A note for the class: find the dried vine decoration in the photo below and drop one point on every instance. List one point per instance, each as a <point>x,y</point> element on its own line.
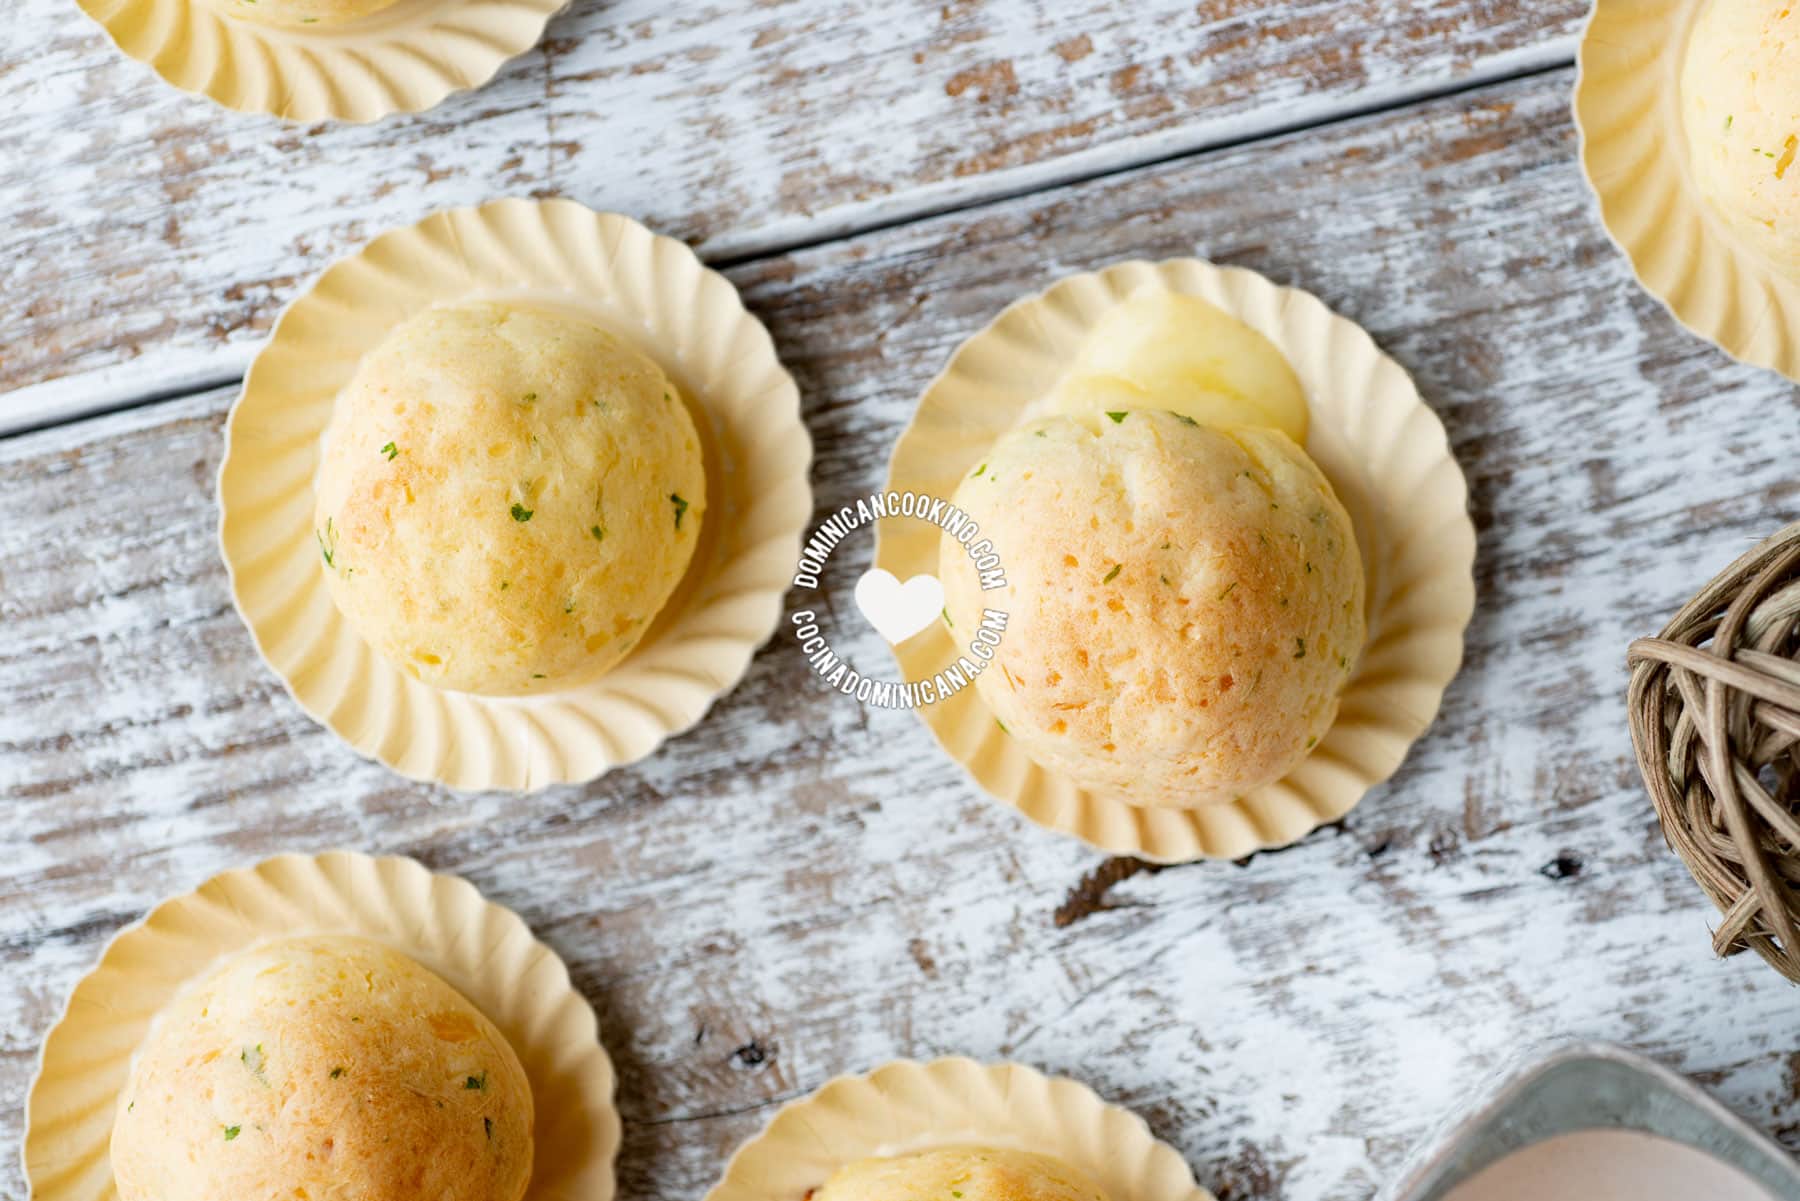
<point>1715,719</point>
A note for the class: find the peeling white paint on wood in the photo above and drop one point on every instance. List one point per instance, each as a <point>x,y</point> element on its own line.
<point>152,237</point>
<point>798,887</point>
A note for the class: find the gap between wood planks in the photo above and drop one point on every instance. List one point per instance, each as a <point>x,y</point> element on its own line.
<point>1552,58</point>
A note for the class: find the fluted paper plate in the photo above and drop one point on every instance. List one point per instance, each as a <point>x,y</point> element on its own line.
<point>1634,153</point>
<point>909,1106</point>
<point>484,951</point>
<point>650,289</point>
<point>404,59</point>
<point>1386,455</point>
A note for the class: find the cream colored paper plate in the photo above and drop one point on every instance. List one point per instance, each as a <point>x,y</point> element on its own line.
<point>482,950</point>
<point>404,59</point>
<point>907,1106</point>
<point>651,289</point>
<point>1386,455</point>
<point>1634,153</point>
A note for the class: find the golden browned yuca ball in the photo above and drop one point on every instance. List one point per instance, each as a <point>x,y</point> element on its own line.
<point>963,1173</point>
<point>507,498</point>
<point>323,1067</point>
<point>1740,104</point>
<point>300,13</point>
<point>1185,604</point>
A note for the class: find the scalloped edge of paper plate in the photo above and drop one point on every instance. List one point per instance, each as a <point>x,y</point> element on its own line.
<point>404,59</point>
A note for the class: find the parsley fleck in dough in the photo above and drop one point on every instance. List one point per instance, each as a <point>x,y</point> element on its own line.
<point>507,547</point>
<point>437,1104</point>
<point>961,1174</point>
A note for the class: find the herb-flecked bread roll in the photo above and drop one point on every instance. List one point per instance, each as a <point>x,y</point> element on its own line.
<point>300,12</point>
<point>1740,104</point>
<point>1185,604</point>
<point>326,1067</point>
<point>962,1174</point>
<point>507,498</point>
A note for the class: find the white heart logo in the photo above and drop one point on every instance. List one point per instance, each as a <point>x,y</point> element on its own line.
<point>896,610</point>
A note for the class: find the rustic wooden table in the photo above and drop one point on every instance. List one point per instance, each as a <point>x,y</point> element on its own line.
<point>799,887</point>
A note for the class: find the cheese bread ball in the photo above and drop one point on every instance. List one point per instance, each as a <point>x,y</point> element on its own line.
<point>1182,354</point>
<point>300,12</point>
<point>966,1173</point>
<point>1740,104</point>
<point>508,496</point>
<point>1184,603</point>
<point>323,1067</point>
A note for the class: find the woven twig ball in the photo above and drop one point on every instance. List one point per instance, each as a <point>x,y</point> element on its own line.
<point>1715,718</point>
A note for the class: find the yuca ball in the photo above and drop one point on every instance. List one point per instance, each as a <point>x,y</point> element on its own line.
<point>507,498</point>
<point>301,13</point>
<point>1184,604</point>
<point>323,1067</point>
<point>966,1173</point>
<point>1740,104</point>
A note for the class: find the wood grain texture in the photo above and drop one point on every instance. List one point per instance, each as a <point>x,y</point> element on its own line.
<point>799,887</point>
<point>148,230</point>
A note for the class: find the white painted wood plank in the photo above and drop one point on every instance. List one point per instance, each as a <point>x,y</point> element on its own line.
<point>148,231</point>
<point>798,888</point>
